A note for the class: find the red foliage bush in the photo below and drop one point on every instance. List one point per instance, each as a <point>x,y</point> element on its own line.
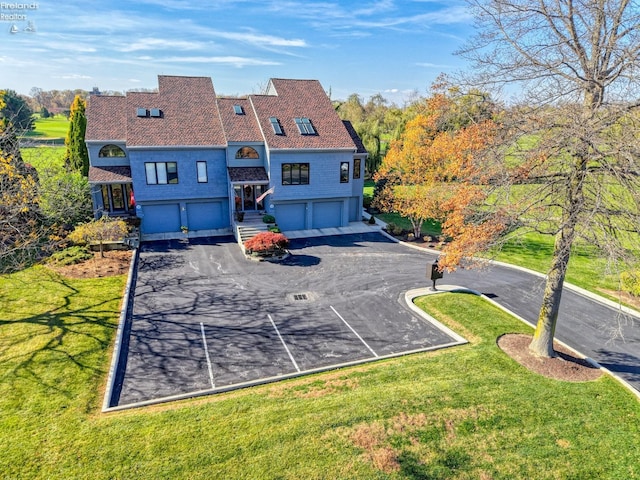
<point>266,242</point>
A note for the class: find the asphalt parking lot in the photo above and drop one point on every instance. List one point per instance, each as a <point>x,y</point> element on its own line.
<point>205,319</point>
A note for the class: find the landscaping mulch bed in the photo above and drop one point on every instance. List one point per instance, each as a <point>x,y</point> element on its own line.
<point>565,366</point>
<point>115,262</point>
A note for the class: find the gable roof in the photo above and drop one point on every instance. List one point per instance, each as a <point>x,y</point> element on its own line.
<point>298,99</point>
<point>106,118</point>
<point>189,114</point>
<point>357,141</point>
<point>239,128</point>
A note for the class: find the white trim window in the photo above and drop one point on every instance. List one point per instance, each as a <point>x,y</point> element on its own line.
<point>201,168</point>
<point>161,173</point>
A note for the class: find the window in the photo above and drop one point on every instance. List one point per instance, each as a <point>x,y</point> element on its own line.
<point>356,168</point>
<point>111,151</point>
<point>295,174</point>
<point>238,109</point>
<point>304,126</point>
<point>275,124</point>
<point>201,168</point>
<point>247,152</point>
<point>141,112</point>
<point>155,113</point>
<point>161,173</point>
<point>344,172</point>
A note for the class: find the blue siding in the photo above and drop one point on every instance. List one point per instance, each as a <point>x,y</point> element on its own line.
<point>187,186</point>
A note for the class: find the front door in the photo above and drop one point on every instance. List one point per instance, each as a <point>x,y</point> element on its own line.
<point>246,196</point>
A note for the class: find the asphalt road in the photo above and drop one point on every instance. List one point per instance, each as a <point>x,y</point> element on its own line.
<point>205,293</point>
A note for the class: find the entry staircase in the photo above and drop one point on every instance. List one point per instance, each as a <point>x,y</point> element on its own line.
<point>251,225</point>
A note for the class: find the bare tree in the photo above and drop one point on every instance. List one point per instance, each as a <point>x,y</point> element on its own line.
<point>574,138</point>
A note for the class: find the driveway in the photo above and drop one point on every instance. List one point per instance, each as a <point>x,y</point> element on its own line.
<point>205,319</point>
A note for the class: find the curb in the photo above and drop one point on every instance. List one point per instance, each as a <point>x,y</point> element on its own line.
<point>124,310</point>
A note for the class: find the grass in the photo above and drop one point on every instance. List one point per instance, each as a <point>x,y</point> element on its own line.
<point>587,268</point>
<point>43,158</point>
<point>52,127</point>
<point>467,412</point>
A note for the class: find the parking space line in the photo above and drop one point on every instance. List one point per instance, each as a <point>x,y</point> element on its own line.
<point>355,333</point>
<point>206,353</point>
<point>283,344</point>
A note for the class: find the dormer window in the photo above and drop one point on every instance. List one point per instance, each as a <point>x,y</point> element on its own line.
<point>238,109</point>
<point>275,124</point>
<point>304,126</point>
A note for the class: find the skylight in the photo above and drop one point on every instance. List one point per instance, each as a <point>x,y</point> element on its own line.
<point>238,109</point>
<point>156,112</point>
<point>141,112</point>
<point>277,129</point>
<point>304,126</point>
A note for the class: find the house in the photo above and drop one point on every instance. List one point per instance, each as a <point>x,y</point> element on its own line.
<point>184,158</point>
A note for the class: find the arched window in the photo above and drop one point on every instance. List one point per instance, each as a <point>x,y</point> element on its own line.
<point>111,151</point>
<point>247,152</point>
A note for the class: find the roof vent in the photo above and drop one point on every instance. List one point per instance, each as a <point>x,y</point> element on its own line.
<point>141,112</point>
<point>156,112</point>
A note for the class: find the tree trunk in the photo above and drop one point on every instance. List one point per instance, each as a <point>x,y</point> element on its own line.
<point>542,343</point>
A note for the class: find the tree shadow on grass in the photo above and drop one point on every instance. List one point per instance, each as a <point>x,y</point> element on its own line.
<point>60,338</point>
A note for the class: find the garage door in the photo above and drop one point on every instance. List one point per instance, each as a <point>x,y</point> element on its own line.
<point>291,216</point>
<point>327,214</point>
<point>161,218</point>
<point>207,215</point>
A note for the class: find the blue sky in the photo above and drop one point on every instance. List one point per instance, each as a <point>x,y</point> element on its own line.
<point>390,47</point>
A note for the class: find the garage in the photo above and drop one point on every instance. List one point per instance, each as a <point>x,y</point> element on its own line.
<point>291,216</point>
<point>207,215</point>
<point>327,214</point>
<point>161,218</point>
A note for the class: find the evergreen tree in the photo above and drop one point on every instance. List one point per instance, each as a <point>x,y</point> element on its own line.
<point>77,157</point>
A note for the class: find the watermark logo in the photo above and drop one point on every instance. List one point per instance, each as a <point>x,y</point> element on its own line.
<point>18,15</point>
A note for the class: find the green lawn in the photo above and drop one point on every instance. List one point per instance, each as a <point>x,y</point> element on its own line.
<point>52,127</point>
<point>467,412</point>
<point>43,158</point>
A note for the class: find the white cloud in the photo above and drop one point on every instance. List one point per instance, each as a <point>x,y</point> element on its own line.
<point>228,60</point>
<point>160,44</point>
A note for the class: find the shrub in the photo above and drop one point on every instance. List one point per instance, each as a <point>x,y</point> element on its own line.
<point>71,255</point>
<point>267,242</point>
<point>268,219</point>
<point>274,229</point>
<point>372,220</point>
<point>99,231</point>
<point>630,283</point>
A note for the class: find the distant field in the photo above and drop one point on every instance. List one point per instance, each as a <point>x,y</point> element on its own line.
<point>43,157</point>
<point>52,127</point>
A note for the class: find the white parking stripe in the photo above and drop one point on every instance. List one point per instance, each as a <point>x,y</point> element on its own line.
<point>284,344</point>
<point>206,353</point>
<point>356,333</point>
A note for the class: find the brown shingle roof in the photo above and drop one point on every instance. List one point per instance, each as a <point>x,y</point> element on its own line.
<point>189,114</point>
<point>248,174</point>
<point>110,174</point>
<point>239,128</point>
<point>300,98</point>
<point>106,118</point>
<point>357,141</point>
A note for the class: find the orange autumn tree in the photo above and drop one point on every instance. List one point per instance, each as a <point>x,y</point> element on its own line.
<point>437,170</point>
